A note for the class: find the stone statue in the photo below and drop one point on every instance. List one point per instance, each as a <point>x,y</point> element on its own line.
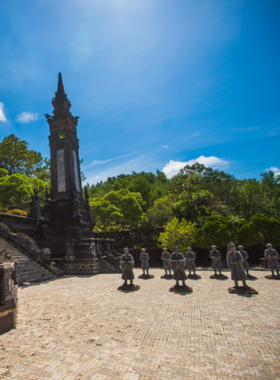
<point>272,257</point>
<point>127,264</point>
<point>165,257</point>
<point>144,257</point>
<point>216,256</point>
<point>234,261</point>
<point>190,258</point>
<point>178,263</point>
<point>245,258</point>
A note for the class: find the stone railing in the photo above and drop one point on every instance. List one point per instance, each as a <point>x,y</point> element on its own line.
<point>19,222</point>
<point>25,242</point>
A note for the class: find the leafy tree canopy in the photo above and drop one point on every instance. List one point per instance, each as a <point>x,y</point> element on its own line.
<point>178,233</point>
<point>15,157</point>
<point>261,229</point>
<point>216,230</point>
<point>118,209</point>
<point>18,188</point>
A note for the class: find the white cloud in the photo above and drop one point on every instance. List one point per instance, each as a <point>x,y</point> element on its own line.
<point>2,114</point>
<point>173,167</point>
<point>97,163</point>
<point>27,117</point>
<point>164,146</point>
<point>274,169</point>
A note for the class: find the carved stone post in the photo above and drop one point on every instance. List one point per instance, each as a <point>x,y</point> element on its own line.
<point>8,298</point>
<point>70,253</point>
<point>35,210</point>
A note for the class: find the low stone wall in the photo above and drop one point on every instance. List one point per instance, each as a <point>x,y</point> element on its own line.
<point>80,267</point>
<point>22,224</point>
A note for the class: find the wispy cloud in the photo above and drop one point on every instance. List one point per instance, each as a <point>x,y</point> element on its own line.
<point>27,117</point>
<point>274,169</point>
<point>164,146</point>
<point>274,132</point>
<point>246,129</point>
<point>2,114</point>
<point>97,163</point>
<point>173,167</point>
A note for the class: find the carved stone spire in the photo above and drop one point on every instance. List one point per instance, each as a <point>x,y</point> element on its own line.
<point>60,102</point>
<point>60,88</point>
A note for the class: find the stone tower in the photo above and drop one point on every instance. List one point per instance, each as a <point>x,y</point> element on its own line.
<point>67,214</point>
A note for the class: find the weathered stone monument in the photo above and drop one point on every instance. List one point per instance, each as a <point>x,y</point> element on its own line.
<point>165,257</point>
<point>127,265</point>
<point>234,261</point>
<point>144,258</point>
<point>178,263</point>
<point>190,261</point>
<point>68,222</point>
<point>216,264</point>
<point>272,257</point>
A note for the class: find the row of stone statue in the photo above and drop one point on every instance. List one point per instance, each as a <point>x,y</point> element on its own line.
<point>236,260</point>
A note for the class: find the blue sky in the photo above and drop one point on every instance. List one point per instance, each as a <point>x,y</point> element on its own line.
<point>156,83</point>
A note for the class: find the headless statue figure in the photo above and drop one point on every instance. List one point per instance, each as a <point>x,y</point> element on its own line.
<point>234,261</point>
<point>271,255</point>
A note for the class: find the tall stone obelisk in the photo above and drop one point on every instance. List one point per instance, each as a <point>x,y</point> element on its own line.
<point>67,214</point>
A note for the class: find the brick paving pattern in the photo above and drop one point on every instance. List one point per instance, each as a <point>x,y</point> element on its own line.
<point>78,328</point>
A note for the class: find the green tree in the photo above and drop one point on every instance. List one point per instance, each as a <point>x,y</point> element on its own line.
<point>217,230</point>
<point>17,158</point>
<point>162,211</point>
<point>192,200</point>
<point>261,229</point>
<point>127,209</point>
<point>106,215</point>
<point>178,233</point>
<point>18,188</point>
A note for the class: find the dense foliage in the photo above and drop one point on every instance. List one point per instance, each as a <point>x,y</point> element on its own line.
<point>220,206</point>
<point>15,157</point>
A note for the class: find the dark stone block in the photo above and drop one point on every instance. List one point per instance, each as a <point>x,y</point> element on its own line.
<point>194,276</point>
<point>242,290</point>
<point>129,288</point>
<point>270,277</point>
<point>167,276</point>
<point>218,277</point>
<point>181,289</point>
<point>146,276</point>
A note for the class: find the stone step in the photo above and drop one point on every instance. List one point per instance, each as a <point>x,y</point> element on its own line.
<point>34,276</point>
<point>40,279</point>
<point>28,270</point>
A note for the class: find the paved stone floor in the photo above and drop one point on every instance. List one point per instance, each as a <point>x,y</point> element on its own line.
<point>84,328</point>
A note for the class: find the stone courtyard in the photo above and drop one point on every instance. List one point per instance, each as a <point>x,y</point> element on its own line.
<point>78,328</point>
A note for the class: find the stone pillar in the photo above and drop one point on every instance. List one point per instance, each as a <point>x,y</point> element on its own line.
<point>35,210</point>
<point>8,297</point>
<point>70,250</point>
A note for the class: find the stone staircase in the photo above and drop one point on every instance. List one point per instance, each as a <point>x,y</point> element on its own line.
<point>28,270</point>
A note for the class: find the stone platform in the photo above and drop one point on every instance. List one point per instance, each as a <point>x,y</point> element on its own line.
<point>146,276</point>
<point>83,328</point>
